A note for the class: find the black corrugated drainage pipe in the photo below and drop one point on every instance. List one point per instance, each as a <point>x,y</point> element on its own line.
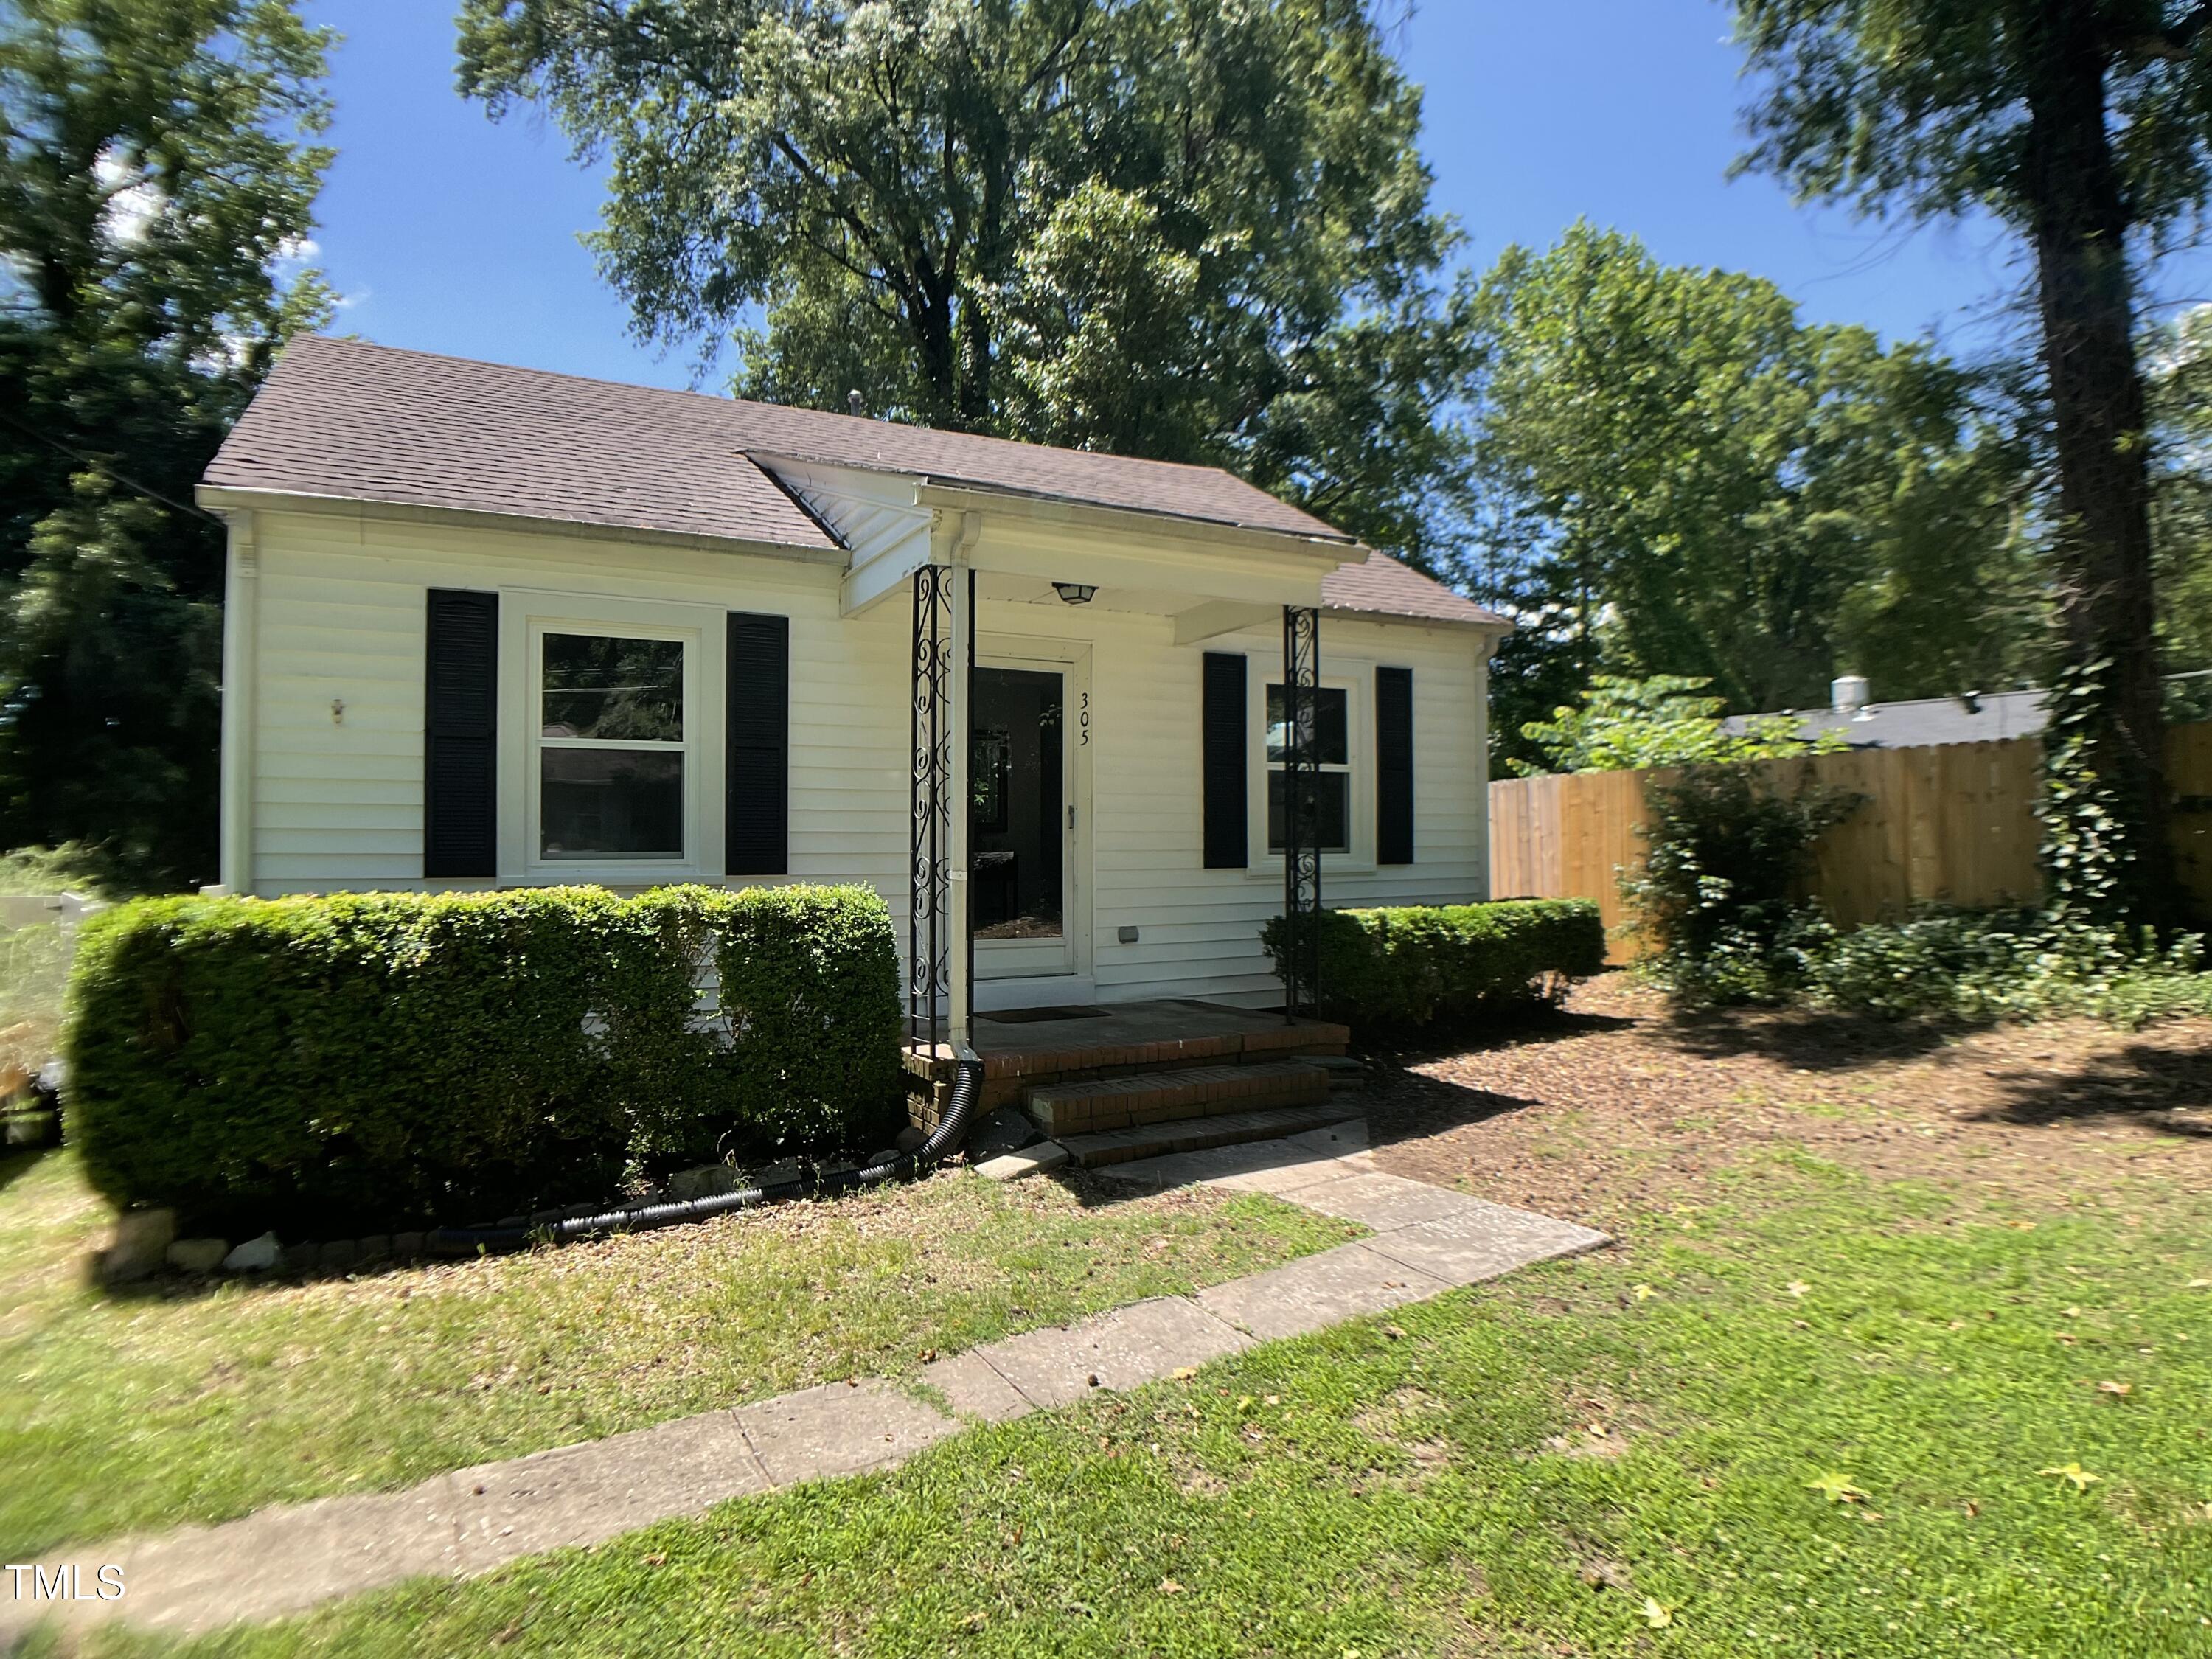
<point>952,1131</point>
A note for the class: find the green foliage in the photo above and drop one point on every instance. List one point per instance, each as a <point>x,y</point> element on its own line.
<point>1722,897</point>
<point>2086,126</point>
<point>1410,966</point>
<point>156,188</point>
<point>2181,417</point>
<point>1687,480</point>
<point>1189,229</point>
<point>309,1062</point>
<point>1620,724</point>
<point>1726,859</point>
<point>72,867</point>
<point>1990,965</point>
<point>2091,866</point>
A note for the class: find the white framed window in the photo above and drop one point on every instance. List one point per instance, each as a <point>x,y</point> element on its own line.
<point>617,776</point>
<point>1332,738</point>
<point>610,783</point>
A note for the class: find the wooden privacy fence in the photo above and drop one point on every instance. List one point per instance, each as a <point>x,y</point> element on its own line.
<point>1949,825</point>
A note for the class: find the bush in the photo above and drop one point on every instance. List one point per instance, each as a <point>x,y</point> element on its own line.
<point>1998,965</point>
<point>1720,883</point>
<point>1408,967</point>
<point>310,1062</point>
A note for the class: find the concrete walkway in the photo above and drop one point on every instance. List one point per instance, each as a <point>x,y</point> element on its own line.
<point>280,1560</point>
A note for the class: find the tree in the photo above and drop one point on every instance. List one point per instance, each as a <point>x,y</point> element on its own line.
<point>1692,482</point>
<point>2082,124</point>
<point>155,188</point>
<point>1191,229</point>
<point>2181,522</point>
<point>1619,725</point>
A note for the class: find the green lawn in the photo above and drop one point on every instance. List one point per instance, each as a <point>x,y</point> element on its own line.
<point>1436,1482</point>
<point>183,1403</point>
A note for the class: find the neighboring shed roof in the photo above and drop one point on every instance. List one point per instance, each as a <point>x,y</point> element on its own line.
<point>1925,722</point>
<point>358,421</point>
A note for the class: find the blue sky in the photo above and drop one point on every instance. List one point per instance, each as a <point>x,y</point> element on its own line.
<point>448,231</point>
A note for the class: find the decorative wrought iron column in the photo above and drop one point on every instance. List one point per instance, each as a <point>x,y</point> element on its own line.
<point>1301,966</point>
<point>930,736</point>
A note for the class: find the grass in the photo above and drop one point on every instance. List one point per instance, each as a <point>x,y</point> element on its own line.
<point>1819,1415</point>
<point>185,1402</point>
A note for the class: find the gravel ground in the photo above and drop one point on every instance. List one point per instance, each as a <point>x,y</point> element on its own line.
<point>1597,1112</point>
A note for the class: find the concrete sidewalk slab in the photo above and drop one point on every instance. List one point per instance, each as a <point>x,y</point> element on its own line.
<point>1382,1202</point>
<point>973,1388</point>
<point>1483,1241</point>
<point>840,1429</point>
<point>584,1493</point>
<point>1318,1292</point>
<point>1124,1349</point>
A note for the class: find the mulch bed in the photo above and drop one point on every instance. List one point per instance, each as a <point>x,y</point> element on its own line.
<point>1615,1105</point>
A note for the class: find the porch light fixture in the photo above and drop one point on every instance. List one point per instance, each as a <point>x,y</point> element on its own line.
<point>1075,592</point>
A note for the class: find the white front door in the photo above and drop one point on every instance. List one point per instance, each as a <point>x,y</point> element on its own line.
<point>1029,831</point>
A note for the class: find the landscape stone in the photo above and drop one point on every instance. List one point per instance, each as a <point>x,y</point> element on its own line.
<point>375,1247</point>
<point>910,1139</point>
<point>197,1255</point>
<point>338,1256</point>
<point>406,1247</point>
<point>707,1180</point>
<point>1007,1130</point>
<point>255,1254</point>
<point>1030,1160</point>
<point>140,1245</point>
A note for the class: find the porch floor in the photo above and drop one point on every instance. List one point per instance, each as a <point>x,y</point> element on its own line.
<point>1023,1048</point>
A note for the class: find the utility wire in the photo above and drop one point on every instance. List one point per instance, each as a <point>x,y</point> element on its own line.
<point>107,471</point>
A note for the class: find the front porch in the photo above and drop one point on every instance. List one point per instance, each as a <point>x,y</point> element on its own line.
<point>1083,1071</point>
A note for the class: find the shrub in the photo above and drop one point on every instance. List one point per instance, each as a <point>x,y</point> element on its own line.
<point>309,1062</point>
<point>1406,967</point>
<point>1727,860</point>
<point>1999,964</point>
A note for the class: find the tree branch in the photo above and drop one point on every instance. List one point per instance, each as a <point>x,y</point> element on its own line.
<point>2176,44</point>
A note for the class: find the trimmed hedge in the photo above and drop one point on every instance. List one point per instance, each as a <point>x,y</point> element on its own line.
<point>1397,968</point>
<point>316,1061</point>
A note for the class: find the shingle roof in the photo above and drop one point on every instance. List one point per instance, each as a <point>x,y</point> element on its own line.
<point>1383,586</point>
<point>360,422</point>
<point>373,422</point>
<point>1925,722</point>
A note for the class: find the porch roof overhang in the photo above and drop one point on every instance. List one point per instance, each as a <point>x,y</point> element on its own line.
<point>1211,577</point>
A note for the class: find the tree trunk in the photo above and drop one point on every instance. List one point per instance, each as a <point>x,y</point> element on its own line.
<point>2079,220</point>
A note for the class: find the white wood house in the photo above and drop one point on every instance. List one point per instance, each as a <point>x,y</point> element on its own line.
<point>494,627</point>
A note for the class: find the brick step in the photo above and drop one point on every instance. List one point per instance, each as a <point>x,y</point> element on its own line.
<point>1120,1103</point>
<point>1193,1134</point>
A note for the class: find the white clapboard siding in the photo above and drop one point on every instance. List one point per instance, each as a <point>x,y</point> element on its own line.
<point>339,802</point>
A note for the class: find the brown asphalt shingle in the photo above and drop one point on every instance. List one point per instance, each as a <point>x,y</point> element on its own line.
<point>360,422</point>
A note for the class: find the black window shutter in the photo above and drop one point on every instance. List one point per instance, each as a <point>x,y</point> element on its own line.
<point>1394,766</point>
<point>460,735</point>
<point>756,796</point>
<point>1222,723</point>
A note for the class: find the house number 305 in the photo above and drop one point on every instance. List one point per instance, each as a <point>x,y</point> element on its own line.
<point>1083,722</point>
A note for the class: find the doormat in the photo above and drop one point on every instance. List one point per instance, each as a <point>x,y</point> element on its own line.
<point>1038,1016</point>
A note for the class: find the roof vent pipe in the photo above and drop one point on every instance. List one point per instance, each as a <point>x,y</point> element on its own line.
<point>1848,694</point>
<point>856,403</point>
